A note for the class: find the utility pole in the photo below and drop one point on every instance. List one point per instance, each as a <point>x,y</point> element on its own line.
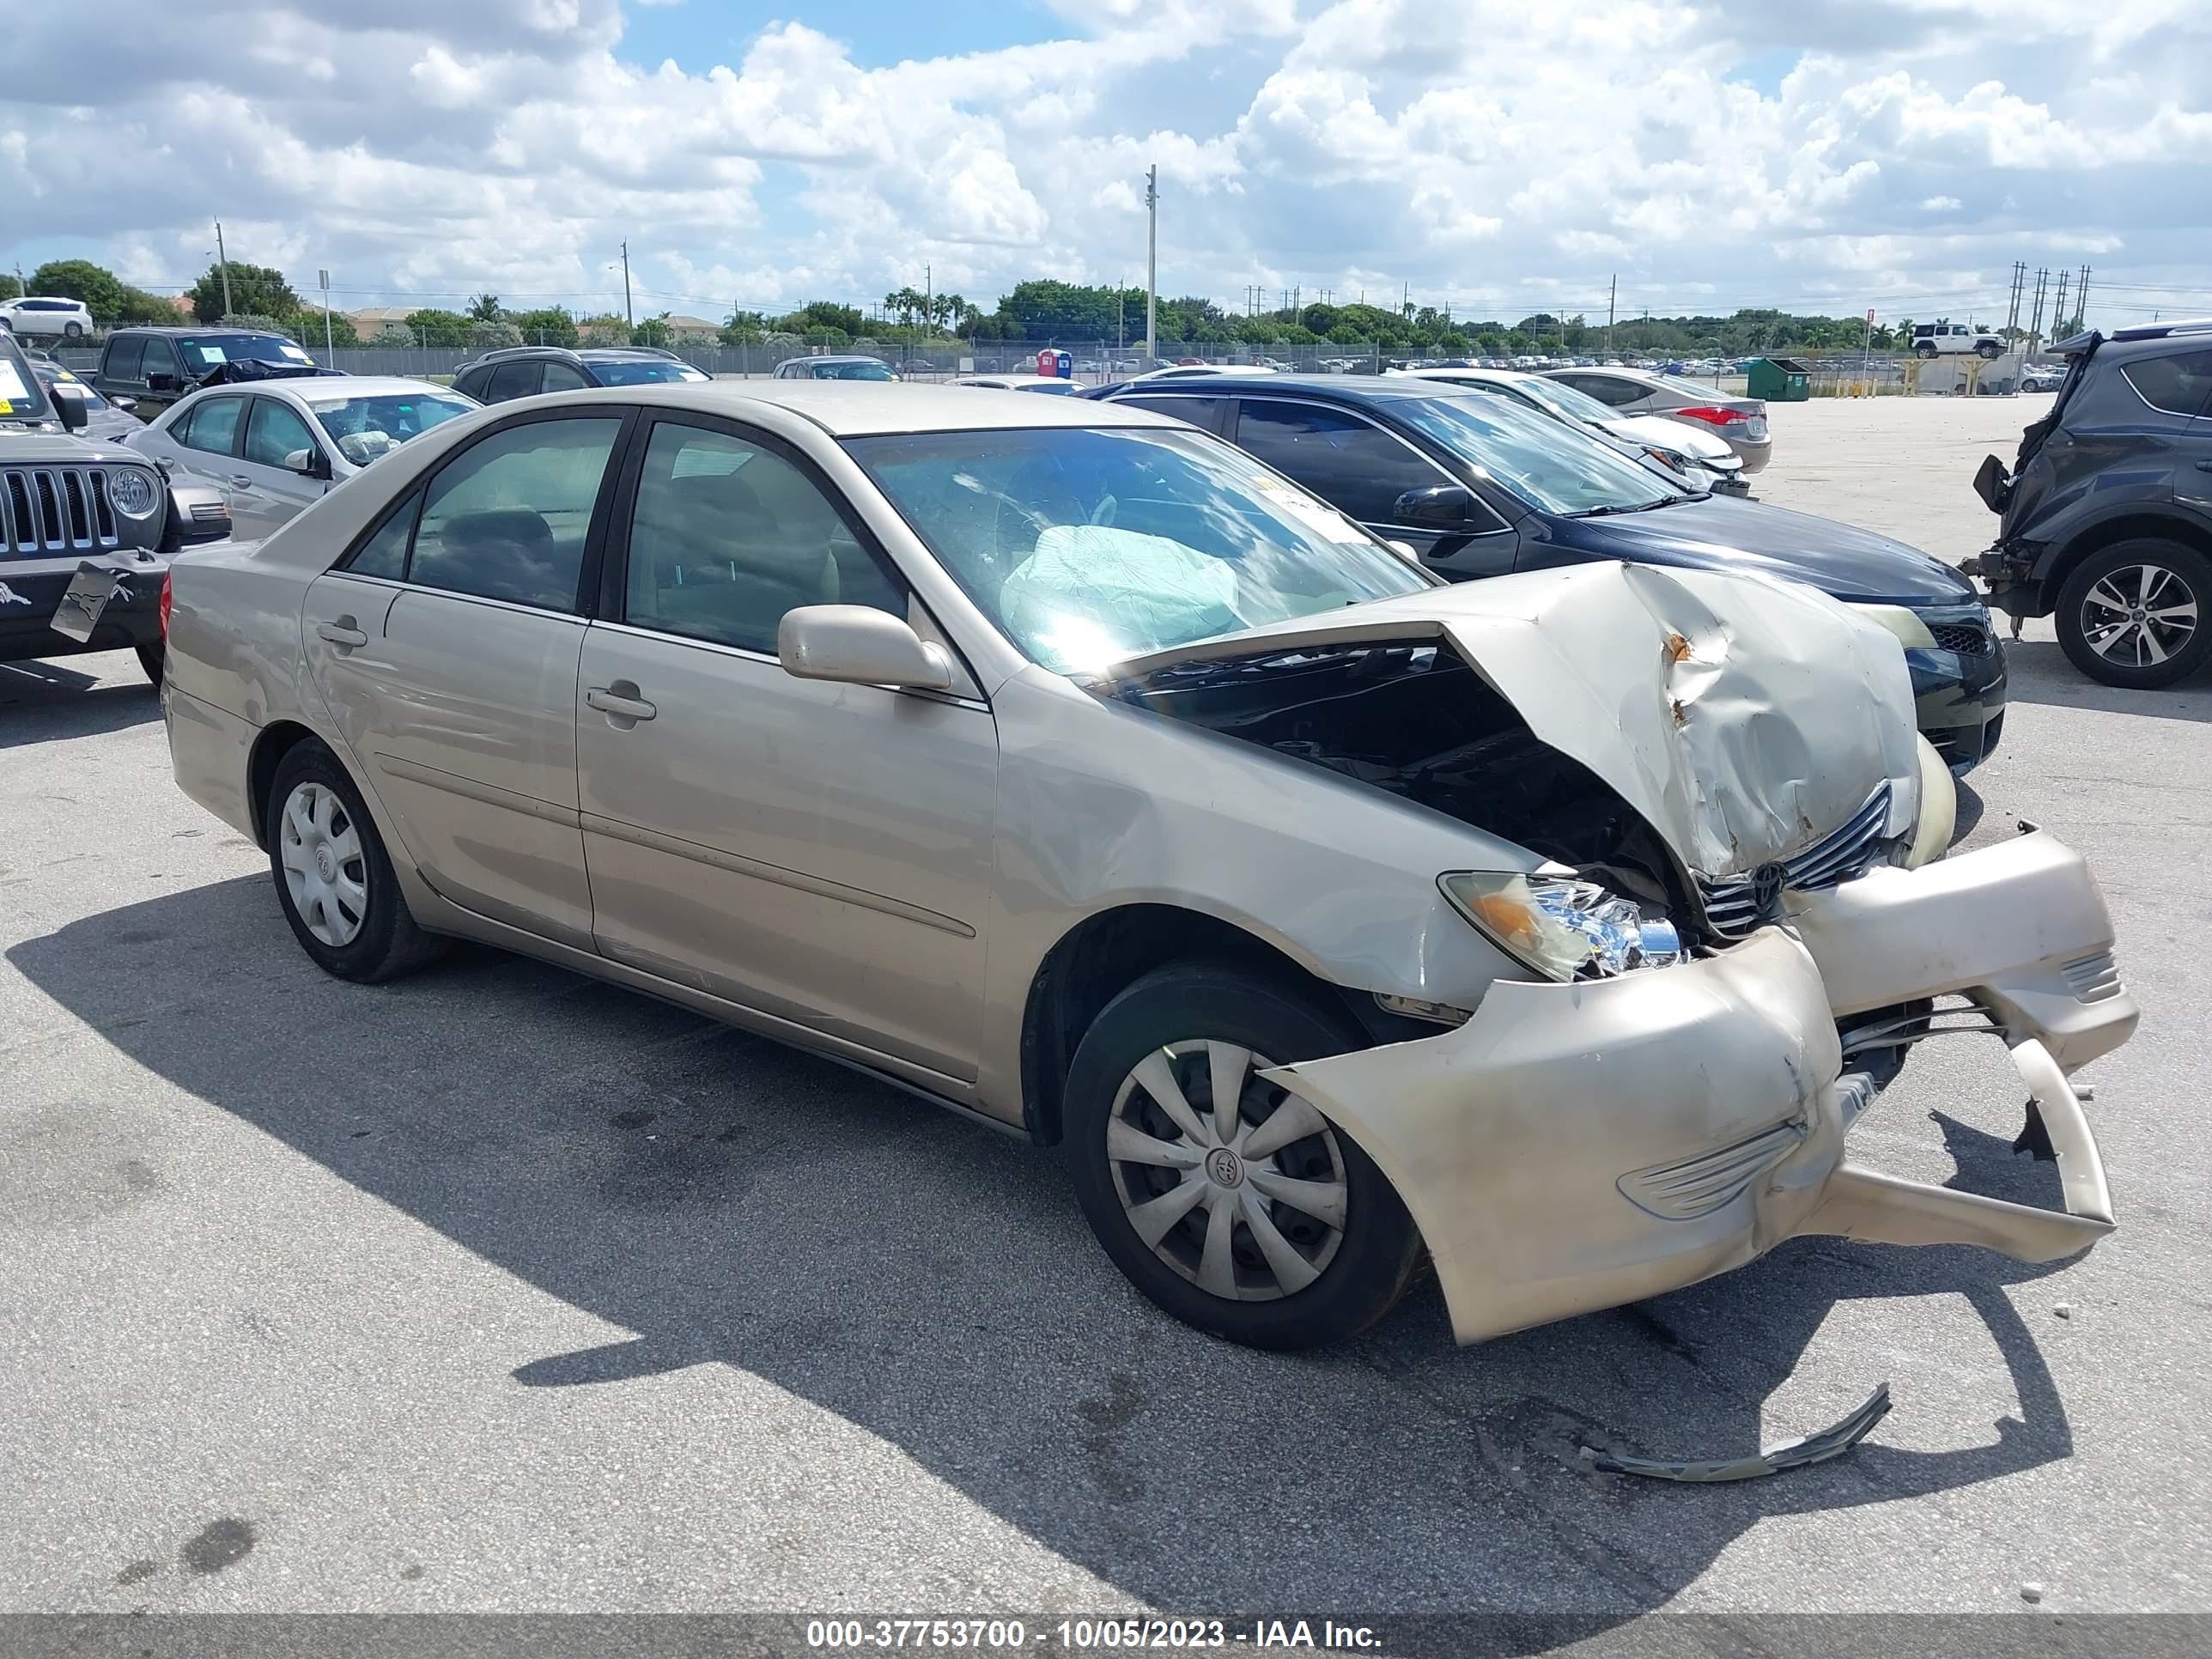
<point>928,298</point>
<point>1152,262</point>
<point>222,263</point>
<point>2081,298</point>
<point>1611,294</point>
<point>323,278</point>
<point>2035,317</point>
<point>2058,328</point>
<point>629,317</point>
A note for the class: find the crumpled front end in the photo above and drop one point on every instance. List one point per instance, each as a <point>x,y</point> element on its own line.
<point>1575,1146</point>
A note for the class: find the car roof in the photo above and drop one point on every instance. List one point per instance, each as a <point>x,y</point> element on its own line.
<point>853,409</point>
<point>835,357</point>
<point>1357,388</point>
<point>356,385</point>
<point>200,328</point>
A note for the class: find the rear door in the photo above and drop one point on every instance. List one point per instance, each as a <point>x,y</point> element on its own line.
<point>512,380</point>
<point>205,437</point>
<point>446,648</point>
<point>1361,468</point>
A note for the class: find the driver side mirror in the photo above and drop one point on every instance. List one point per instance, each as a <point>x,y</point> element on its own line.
<point>1439,507</point>
<point>857,644</point>
<point>308,464</point>
<point>68,404</point>
<point>161,380</point>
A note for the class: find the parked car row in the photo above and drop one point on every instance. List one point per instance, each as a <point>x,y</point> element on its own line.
<point>1068,762</point>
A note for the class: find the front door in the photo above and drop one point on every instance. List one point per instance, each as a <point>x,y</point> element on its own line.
<point>445,647</point>
<point>267,493</point>
<point>815,851</point>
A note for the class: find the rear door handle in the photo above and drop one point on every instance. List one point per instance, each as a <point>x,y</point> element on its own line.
<point>2204,466</point>
<point>341,633</point>
<point>608,700</point>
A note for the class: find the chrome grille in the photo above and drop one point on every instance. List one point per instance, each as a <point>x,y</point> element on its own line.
<point>1731,906</point>
<point>2093,979</point>
<point>55,509</point>
<point>1967,639</point>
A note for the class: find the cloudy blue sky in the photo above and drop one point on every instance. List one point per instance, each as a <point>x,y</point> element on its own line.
<point>1493,155</point>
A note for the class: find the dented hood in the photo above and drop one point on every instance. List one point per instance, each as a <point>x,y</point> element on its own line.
<point>1743,718</point>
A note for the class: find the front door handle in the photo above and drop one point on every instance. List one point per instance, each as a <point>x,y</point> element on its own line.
<point>2204,466</point>
<point>239,481</point>
<point>620,701</point>
<point>342,632</point>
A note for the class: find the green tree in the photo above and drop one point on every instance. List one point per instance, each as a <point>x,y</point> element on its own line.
<point>549,326</point>
<point>260,290</point>
<point>140,307</point>
<point>653,331</point>
<point>486,308</point>
<point>10,289</point>
<point>433,328</point>
<point>308,327</point>
<point>97,287</point>
<point>606,329</point>
<point>484,336</point>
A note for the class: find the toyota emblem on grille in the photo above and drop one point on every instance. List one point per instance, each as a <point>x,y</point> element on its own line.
<point>1766,891</point>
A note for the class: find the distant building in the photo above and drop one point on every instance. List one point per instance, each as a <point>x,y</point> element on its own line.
<point>693,328</point>
<point>367,322</point>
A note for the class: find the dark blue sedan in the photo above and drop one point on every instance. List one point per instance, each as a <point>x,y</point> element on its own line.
<point>1477,486</point>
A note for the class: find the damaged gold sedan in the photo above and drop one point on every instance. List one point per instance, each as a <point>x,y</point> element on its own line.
<point>1068,767</point>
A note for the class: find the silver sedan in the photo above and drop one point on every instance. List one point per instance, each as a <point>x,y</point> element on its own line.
<point>276,447</point>
<point>1070,768</point>
<point>1741,421</point>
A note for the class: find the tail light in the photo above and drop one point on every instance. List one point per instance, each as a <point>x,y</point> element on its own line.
<point>167,577</point>
<point>1713,416</point>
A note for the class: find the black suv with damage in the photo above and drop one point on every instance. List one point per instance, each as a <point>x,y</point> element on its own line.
<point>87,529</point>
<point>2105,518</point>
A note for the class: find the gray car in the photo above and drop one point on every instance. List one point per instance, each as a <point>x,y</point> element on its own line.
<point>1070,768</point>
<point>1741,421</point>
<point>275,448</point>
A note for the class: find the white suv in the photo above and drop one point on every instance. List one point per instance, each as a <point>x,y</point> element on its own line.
<point>65,319</point>
<point>1947,339</point>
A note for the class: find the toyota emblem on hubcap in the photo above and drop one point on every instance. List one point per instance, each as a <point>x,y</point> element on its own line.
<point>1224,1167</point>
<point>325,865</point>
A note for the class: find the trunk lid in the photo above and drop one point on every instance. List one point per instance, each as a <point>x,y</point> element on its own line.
<point>1743,719</point>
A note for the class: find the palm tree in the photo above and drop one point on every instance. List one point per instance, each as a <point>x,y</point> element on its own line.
<point>485,308</point>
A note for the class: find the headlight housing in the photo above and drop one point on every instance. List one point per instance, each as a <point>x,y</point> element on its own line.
<point>133,493</point>
<point>1912,633</point>
<point>1561,927</point>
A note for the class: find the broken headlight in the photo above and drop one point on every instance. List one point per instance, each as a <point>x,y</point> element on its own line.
<point>1560,926</point>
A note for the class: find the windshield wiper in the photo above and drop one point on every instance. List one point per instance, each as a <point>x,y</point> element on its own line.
<point>1608,509</point>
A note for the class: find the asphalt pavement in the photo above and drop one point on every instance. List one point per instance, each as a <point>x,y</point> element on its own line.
<point>497,1288</point>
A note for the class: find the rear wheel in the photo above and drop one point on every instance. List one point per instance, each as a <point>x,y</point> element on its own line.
<point>152,658</point>
<point>1230,1202</point>
<point>333,877</point>
<point>1988,351</point>
<point>2132,614</point>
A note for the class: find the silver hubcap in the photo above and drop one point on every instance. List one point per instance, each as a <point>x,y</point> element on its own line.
<point>2138,616</point>
<point>1237,1185</point>
<point>320,850</point>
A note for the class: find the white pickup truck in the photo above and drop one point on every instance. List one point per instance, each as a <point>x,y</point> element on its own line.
<point>1946,338</point>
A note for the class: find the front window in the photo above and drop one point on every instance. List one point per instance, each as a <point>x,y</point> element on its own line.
<point>1553,468</point>
<point>852,371</point>
<point>364,428</point>
<point>644,371</point>
<point>204,352</point>
<point>1089,545</point>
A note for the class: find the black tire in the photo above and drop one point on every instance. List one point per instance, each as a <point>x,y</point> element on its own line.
<point>387,942</point>
<point>1364,1269</point>
<point>1923,350</point>
<point>1988,351</point>
<point>73,331</point>
<point>152,657</point>
<point>2179,575</point>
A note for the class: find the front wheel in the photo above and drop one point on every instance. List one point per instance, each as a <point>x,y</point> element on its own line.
<point>1988,351</point>
<point>333,876</point>
<point>1231,1203</point>
<point>2130,615</point>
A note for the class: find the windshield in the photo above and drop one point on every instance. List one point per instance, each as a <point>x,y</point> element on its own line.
<point>852,371</point>
<point>398,415</point>
<point>1566,402</point>
<point>21,397</point>
<point>86,395</point>
<point>1089,545</point>
<point>643,372</point>
<point>203,352</point>
<point>1553,468</point>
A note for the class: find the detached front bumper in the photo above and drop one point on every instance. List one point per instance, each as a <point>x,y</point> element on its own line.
<point>31,591</point>
<point>1573,1147</point>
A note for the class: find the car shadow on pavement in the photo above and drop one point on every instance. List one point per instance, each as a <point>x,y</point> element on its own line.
<point>734,1202</point>
<point>45,702</point>
<point>2037,671</point>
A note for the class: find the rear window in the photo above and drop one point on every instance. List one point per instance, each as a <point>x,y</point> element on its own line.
<point>619,373</point>
<point>2180,386</point>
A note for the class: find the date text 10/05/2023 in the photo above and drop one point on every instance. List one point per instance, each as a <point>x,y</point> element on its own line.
<point>1085,1636</point>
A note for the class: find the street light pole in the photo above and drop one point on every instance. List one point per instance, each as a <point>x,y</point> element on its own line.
<point>629,317</point>
<point>1152,262</point>
<point>222,263</point>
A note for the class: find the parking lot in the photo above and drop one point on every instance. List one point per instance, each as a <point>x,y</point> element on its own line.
<point>497,1289</point>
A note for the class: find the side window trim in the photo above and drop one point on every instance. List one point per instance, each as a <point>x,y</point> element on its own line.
<point>1499,522</point>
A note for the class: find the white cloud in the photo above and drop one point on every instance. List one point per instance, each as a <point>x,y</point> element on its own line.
<point>1494,153</point>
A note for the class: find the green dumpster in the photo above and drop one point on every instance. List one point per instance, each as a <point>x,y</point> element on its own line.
<point>1780,379</point>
